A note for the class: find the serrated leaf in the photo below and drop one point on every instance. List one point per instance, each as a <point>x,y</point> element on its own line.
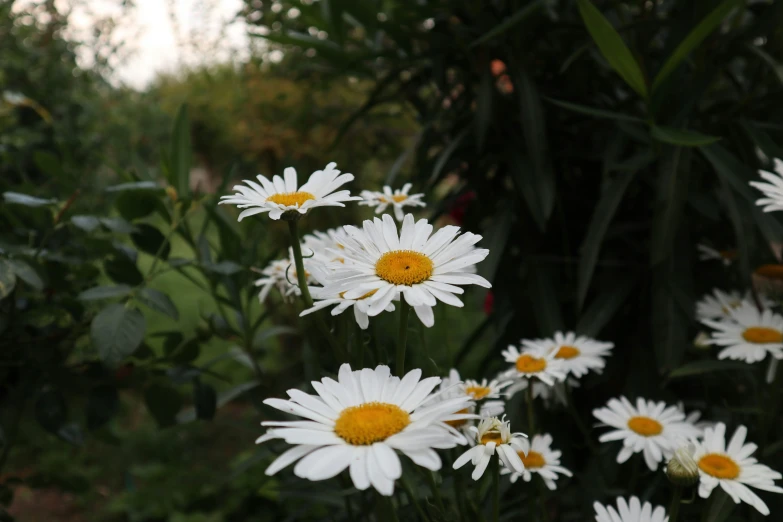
<point>681,137</point>
<point>7,278</point>
<point>86,223</point>
<point>105,292</point>
<point>150,240</point>
<point>15,198</point>
<point>708,366</point>
<point>181,153</point>
<point>116,332</point>
<point>26,273</point>
<point>158,301</point>
<point>612,47</point>
<point>163,402</point>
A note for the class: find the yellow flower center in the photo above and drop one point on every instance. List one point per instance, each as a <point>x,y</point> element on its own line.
<point>399,198</point>
<point>365,296</point>
<point>289,199</point>
<point>492,436</point>
<point>529,364</point>
<point>645,426</point>
<point>459,422</point>
<point>371,422</point>
<point>567,352</point>
<point>478,392</point>
<point>719,466</point>
<point>404,267</point>
<point>762,334</point>
<point>770,271</point>
<point>532,460</point>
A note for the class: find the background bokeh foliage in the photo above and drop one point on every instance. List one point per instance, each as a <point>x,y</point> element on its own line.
<point>593,145</point>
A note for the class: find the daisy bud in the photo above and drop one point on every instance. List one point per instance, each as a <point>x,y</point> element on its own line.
<point>702,341</point>
<point>682,470</point>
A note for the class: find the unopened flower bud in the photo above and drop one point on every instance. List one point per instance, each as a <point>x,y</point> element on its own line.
<point>702,341</point>
<point>682,470</point>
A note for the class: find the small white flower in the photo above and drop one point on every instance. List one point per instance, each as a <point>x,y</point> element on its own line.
<point>398,199</point>
<point>719,304</point>
<point>283,195</point>
<point>492,436</point>
<point>529,364</point>
<point>483,393</point>
<point>651,428</point>
<point>631,511</point>
<point>540,459</point>
<point>579,354</point>
<point>358,421</point>
<point>773,190</point>
<point>748,335</point>
<point>733,468</point>
<point>707,253</point>
<point>281,274</point>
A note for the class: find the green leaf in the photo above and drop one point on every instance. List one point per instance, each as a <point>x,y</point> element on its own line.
<point>544,300</point>
<point>605,306</point>
<point>181,153</point>
<point>15,198</point>
<point>120,269</point>
<point>591,246</point>
<point>105,292</point>
<point>671,196</point>
<point>48,163</point>
<point>150,240</point>
<point>158,301</point>
<point>51,411</point>
<point>592,111</point>
<point>696,37</point>
<point>507,24</point>
<point>681,137</point>
<point>86,223</point>
<point>116,332</point>
<point>446,154</point>
<point>7,279</point>
<point>612,47</point>
<point>223,268</point>
<point>134,186</point>
<point>163,402</point>
<point>118,225</point>
<point>103,403</point>
<point>224,397</point>
<point>708,366</point>
<point>204,400</point>
<point>495,238</point>
<point>26,273</point>
<point>135,205</point>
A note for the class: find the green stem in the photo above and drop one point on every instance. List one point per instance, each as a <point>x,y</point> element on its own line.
<point>413,499</point>
<point>496,488</point>
<point>578,420</point>
<point>435,490</point>
<point>459,490</point>
<point>531,414</point>
<point>674,506</point>
<point>402,336</point>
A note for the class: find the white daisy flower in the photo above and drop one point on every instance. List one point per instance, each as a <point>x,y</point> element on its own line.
<point>650,427</point>
<point>398,199</point>
<point>494,435</point>
<point>413,265</point>
<point>321,247</point>
<point>359,421</point>
<point>733,468</point>
<point>748,335</point>
<point>485,394</point>
<point>773,190</point>
<point>540,459</point>
<point>631,511</point>
<point>281,195</point>
<point>718,304</point>
<point>579,354</point>
<point>281,274</point>
<point>540,364</point>
<point>707,253</point>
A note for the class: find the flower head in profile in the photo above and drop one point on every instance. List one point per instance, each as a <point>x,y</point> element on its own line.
<point>748,335</point>
<point>682,469</point>
<point>542,460</point>
<point>398,199</point>
<point>772,190</point>
<point>631,510</point>
<point>708,253</point>
<point>322,247</point>
<point>485,394</point>
<point>651,428</point>
<point>579,354</point>
<point>281,274</point>
<point>492,436</point>
<point>732,468</point>
<point>360,422</point>
<point>411,264</point>
<point>539,363</point>
<point>719,304</point>
<point>283,196</point>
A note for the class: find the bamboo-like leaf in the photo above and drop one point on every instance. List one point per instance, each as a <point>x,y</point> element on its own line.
<point>508,23</point>
<point>708,366</point>
<point>670,201</point>
<point>603,308</point>
<point>592,111</point>
<point>694,38</point>
<point>612,47</point>
<point>681,137</point>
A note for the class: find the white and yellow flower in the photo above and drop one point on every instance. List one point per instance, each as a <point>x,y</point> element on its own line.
<point>281,274</point>
<point>629,511</point>
<point>398,199</point>
<point>492,436</point>
<point>282,195</point>
<point>748,335</point>
<point>772,190</point>
<point>485,394</point>
<point>719,304</point>
<point>540,459</point>
<point>322,247</point>
<point>651,428</point>
<point>360,422</point>
<point>579,354</point>
<point>538,364</point>
<point>415,265</point>
<point>732,467</point>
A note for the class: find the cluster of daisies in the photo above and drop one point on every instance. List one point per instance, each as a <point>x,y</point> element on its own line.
<point>363,420</point>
